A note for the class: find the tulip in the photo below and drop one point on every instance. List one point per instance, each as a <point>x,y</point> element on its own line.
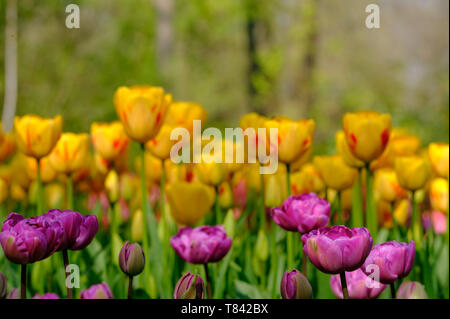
<point>189,287</point>
<point>153,167</point>
<point>337,249</point>
<point>438,154</point>
<point>142,110</point>
<point>412,172</point>
<point>36,136</point>
<point>48,295</point>
<point>402,211</point>
<point>70,152</point>
<point>411,290</point>
<point>345,152</point>
<point>294,285</point>
<point>2,286</point>
<point>136,225</point>
<point>334,172</point>
<point>301,161</point>
<point>387,186</point>
<point>13,294</point>
<point>254,121</point>
<point>109,139</point>
<point>302,213</point>
<point>7,144</point>
<point>401,143</point>
<point>294,137</point>
<point>211,170</point>
<point>225,196</point>
<point>435,219</point>
<point>99,291</point>
<point>112,186</point>
<point>439,194</point>
<point>359,285</point>
<point>189,202</point>
<point>47,172</point>
<point>367,133</point>
<point>275,187</point>
<point>201,245</point>
<point>179,114</point>
<point>393,259</point>
<point>306,180</point>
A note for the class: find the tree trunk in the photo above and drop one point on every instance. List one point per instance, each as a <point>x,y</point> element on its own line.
<point>10,101</point>
<point>164,32</point>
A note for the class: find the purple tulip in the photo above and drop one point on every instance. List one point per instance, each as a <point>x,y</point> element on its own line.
<point>359,285</point>
<point>302,213</point>
<point>411,290</point>
<point>78,230</point>
<point>25,241</point>
<point>48,295</point>
<point>294,285</point>
<point>14,294</point>
<point>337,249</point>
<point>201,245</point>
<point>393,259</point>
<point>187,289</point>
<point>99,291</point>
<point>131,259</point>
<point>2,286</point>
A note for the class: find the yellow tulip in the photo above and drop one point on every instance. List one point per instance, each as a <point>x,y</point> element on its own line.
<point>189,202</point>
<point>112,186</point>
<point>54,195</point>
<point>18,193</point>
<point>367,133</point>
<point>3,190</point>
<point>275,189</point>
<point>137,223</point>
<point>109,139</point>
<point>302,160</point>
<point>179,114</point>
<point>211,170</point>
<point>306,180</point>
<point>294,137</point>
<point>142,110</point>
<point>36,136</point>
<point>7,144</point>
<point>438,154</point>
<point>224,195</point>
<point>401,143</point>
<point>249,172</point>
<point>412,172</point>
<point>402,211</point>
<point>387,186</point>
<point>345,152</point>
<point>48,173</point>
<point>153,167</point>
<point>439,194</point>
<point>70,153</point>
<point>18,168</point>
<point>335,172</point>
<point>179,172</point>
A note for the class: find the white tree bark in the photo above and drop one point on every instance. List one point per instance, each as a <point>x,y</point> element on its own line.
<point>10,100</point>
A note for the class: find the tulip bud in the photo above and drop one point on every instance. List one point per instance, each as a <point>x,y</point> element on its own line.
<point>229,223</point>
<point>131,259</point>
<point>189,287</point>
<point>262,246</point>
<point>2,286</point>
<point>411,290</point>
<point>112,186</point>
<point>225,196</point>
<point>294,285</point>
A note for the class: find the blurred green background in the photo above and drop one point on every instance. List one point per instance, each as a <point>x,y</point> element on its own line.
<point>299,58</point>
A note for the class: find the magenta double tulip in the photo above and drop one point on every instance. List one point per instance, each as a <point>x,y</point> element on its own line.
<point>78,230</point>
<point>201,245</point>
<point>27,240</point>
<point>186,288</point>
<point>99,291</point>
<point>393,259</point>
<point>337,249</point>
<point>294,285</point>
<point>302,213</point>
<point>359,286</point>
<point>48,295</point>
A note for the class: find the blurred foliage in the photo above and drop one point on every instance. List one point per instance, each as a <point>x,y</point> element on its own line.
<point>312,59</point>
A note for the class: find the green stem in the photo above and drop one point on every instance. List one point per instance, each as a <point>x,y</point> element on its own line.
<point>288,179</point>
<point>218,211</point>
<point>66,263</point>
<point>290,249</point>
<point>344,285</point>
<point>340,213</point>
<point>371,214</point>
<point>69,192</point>
<point>416,223</point>
<point>39,199</point>
<point>130,287</point>
<point>23,281</point>
<point>208,282</point>
<point>145,212</point>
<point>393,293</point>
<point>262,211</point>
<point>357,218</point>
<point>162,192</point>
